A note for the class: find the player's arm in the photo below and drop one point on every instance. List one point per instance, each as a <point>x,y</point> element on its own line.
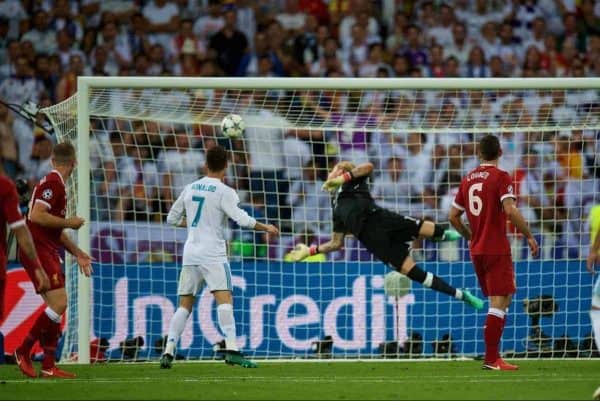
<point>83,259</point>
<point>40,215</point>
<point>229,204</point>
<point>176,216</point>
<point>457,222</point>
<point>302,251</point>
<point>340,177</point>
<point>515,216</point>
<point>593,257</point>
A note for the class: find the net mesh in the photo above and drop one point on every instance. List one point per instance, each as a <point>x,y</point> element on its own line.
<point>146,144</point>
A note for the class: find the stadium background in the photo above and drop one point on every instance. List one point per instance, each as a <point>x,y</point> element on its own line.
<point>45,45</point>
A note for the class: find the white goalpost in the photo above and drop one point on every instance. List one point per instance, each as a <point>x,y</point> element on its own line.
<point>139,139</point>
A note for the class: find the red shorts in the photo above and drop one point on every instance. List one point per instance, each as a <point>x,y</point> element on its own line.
<point>495,273</point>
<point>52,265</point>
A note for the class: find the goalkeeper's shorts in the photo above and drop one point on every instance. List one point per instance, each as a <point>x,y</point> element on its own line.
<point>387,235</point>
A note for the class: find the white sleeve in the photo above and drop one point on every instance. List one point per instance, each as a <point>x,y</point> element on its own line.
<point>229,203</point>
<point>177,210</point>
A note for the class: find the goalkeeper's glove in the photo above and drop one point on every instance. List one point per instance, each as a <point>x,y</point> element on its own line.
<point>333,183</point>
<point>301,251</point>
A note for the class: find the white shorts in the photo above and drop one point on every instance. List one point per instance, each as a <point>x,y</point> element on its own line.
<point>217,277</point>
<point>596,294</point>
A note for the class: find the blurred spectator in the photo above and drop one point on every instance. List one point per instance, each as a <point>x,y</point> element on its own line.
<point>229,44</point>
<point>309,203</point>
<point>207,25</point>
<point>179,164</point>
<point>392,189</point>
<point>67,85</point>
<point>12,12</point>
<point>8,144</point>
<point>162,17</point>
<point>64,20</point>
<point>40,162</point>
<point>22,86</point>
<point>41,35</point>
<point>249,64</point>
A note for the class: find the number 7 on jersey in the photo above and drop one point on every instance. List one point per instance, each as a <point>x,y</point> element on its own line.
<point>200,200</point>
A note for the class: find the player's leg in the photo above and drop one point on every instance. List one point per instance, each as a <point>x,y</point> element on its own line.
<point>595,313</point>
<point>190,282</point>
<point>410,269</point>
<point>46,328</point>
<point>56,299</point>
<point>437,232</point>
<point>496,278</point>
<point>2,291</point>
<point>218,279</point>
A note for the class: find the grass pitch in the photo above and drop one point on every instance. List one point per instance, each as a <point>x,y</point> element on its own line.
<point>459,380</point>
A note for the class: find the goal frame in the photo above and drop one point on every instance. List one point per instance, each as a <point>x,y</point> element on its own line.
<point>86,83</point>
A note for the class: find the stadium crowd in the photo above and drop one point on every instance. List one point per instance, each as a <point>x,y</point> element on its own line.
<point>46,44</point>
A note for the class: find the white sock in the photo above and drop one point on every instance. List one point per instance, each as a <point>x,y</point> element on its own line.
<point>55,317</point>
<point>175,329</point>
<point>227,325</point>
<point>595,316</point>
<point>458,294</point>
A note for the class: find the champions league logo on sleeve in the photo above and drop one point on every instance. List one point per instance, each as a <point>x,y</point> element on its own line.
<point>47,194</point>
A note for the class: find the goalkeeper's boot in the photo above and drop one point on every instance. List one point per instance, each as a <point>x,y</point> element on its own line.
<point>55,372</point>
<point>166,361</point>
<point>24,363</point>
<point>472,300</point>
<point>448,235</point>
<point>500,364</point>
<point>236,358</point>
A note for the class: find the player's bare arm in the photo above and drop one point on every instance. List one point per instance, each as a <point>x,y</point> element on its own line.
<point>302,251</point>
<point>25,241</point>
<point>269,228</point>
<point>515,216</point>
<point>457,223</point>
<point>593,257</point>
<point>83,259</point>
<point>40,215</point>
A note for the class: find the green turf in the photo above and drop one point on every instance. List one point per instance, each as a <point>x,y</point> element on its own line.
<point>542,380</point>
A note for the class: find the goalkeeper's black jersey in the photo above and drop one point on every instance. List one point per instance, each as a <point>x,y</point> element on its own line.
<point>352,204</point>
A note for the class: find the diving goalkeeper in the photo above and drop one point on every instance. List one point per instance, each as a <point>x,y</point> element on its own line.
<point>384,233</point>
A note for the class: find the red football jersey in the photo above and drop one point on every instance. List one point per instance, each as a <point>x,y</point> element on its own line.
<point>51,192</point>
<point>9,214</point>
<point>480,196</point>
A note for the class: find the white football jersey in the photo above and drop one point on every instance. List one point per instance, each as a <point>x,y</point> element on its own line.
<point>206,204</point>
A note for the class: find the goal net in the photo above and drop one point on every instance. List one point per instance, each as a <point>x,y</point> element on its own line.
<point>141,140</point>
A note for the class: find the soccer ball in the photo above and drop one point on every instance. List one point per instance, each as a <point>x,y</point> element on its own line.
<point>233,125</point>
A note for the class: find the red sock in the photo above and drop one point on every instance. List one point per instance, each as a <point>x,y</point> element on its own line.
<point>492,332</point>
<point>49,341</point>
<point>2,290</point>
<point>41,324</point>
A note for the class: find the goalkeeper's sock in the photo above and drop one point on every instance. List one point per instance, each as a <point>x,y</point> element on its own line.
<point>175,329</point>
<point>227,325</point>
<point>492,332</point>
<point>432,281</point>
<point>595,317</point>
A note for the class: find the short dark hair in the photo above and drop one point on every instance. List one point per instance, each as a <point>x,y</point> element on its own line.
<point>489,148</point>
<point>63,153</point>
<point>216,159</point>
